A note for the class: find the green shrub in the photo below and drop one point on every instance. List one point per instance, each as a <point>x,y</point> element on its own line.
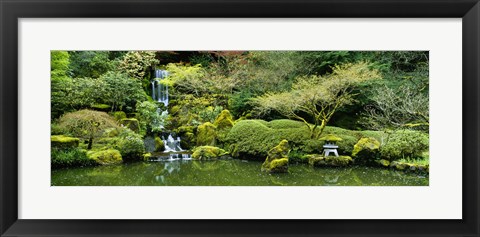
<point>285,124</point>
<point>65,158</point>
<point>405,144</point>
<point>130,145</point>
<point>101,107</point>
<point>119,115</point>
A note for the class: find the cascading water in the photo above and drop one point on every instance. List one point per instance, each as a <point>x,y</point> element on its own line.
<point>160,94</point>
<point>159,90</point>
<point>172,145</point>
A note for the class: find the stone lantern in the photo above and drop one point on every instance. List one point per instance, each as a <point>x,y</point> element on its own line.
<point>330,145</point>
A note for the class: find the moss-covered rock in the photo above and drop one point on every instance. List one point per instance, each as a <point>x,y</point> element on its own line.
<point>206,135</point>
<point>224,120</point>
<point>318,160</point>
<point>131,123</point>
<point>366,150</point>
<point>63,142</point>
<point>105,157</point>
<point>119,115</point>
<point>159,144</point>
<point>207,153</point>
<point>277,159</point>
<point>382,162</point>
<point>147,156</point>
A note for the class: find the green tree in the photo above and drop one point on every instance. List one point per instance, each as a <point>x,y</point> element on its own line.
<point>90,63</point>
<point>86,124</point>
<point>150,116</point>
<point>121,90</point>
<point>317,98</point>
<point>137,63</point>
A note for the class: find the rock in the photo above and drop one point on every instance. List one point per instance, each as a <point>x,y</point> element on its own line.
<point>277,159</point>
<point>63,142</point>
<point>318,160</point>
<point>131,123</point>
<point>159,144</point>
<point>366,150</point>
<point>382,162</point>
<point>206,134</point>
<point>207,153</point>
<point>338,160</point>
<point>147,156</point>
<point>105,157</point>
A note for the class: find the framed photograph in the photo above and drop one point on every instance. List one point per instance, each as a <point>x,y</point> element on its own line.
<point>231,118</point>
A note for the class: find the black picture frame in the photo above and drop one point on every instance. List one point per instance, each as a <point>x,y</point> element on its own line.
<point>12,10</point>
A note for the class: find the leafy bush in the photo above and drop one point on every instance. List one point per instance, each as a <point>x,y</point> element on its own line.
<point>405,144</point>
<point>130,145</point>
<point>64,158</point>
<point>150,116</point>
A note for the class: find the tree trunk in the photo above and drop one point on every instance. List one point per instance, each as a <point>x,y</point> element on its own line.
<point>90,142</point>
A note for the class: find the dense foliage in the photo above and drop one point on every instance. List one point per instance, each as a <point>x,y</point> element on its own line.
<point>244,102</point>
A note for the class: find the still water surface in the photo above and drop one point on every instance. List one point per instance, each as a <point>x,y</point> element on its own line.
<point>230,172</point>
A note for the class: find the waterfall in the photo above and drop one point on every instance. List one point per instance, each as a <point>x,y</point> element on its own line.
<point>171,144</point>
<point>160,91</point>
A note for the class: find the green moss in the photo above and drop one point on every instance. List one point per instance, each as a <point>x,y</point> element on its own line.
<point>105,157</point>
<point>334,161</point>
<point>277,159</point>
<point>147,156</point>
<point>101,107</point>
<point>131,123</point>
<point>159,145</point>
<point>331,138</point>
<point>224,120</point>
<point>119,115</point>
<point>366,150</point>
<point>207,153</point>
<point>206,134</point>
<point>382,162</point>
<point>63,142</point>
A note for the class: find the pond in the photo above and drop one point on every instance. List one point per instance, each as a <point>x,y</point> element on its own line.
<point>229,172</point>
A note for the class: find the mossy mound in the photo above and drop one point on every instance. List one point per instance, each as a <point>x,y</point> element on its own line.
<point>366,150</point>
<point>105,157</point>
<point>63,142</point>
<point>159,144</point>
<point>224,120</point>
<point>335,161</point>
<point>131,123</point>
<point>277,159</point>
<point>252,139</point>
<point>331,138</point>
<point>207,153</point>
<point>206,135</point>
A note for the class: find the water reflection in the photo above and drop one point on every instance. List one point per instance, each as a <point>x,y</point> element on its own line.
<point>230,172</point>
